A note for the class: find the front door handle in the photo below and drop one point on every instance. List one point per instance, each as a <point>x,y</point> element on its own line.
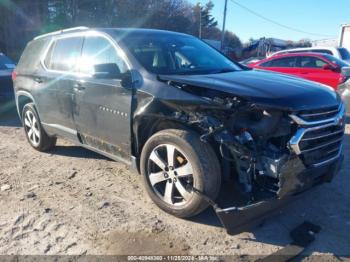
<point>78,87</point>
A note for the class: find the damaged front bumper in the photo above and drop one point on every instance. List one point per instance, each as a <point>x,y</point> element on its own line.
<point>238,219</point>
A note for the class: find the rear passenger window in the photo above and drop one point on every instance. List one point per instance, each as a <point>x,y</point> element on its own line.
<point>65,54</point>
<point>283,62</point>
<point>96,51</point>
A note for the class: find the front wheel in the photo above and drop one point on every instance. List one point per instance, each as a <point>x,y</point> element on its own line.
<point>172,163</point>
<point>34,132</point>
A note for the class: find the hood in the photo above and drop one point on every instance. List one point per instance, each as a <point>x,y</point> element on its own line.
<point>265,88</point>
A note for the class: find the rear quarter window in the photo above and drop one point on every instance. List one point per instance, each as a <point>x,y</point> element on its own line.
<point>31,55</point>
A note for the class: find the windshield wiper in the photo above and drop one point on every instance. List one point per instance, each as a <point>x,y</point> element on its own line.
<point>222,70</point>
<point>190,72</point>
<point>205,72</point>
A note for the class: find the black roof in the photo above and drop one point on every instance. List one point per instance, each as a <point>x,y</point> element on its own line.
<point>122,32</point>
<point>117,33</point>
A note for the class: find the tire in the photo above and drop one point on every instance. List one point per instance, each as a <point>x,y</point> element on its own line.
<point>35,134</point>
<point>194,164</point>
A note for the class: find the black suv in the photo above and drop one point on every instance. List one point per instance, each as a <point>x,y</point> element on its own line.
<point>183,114</point>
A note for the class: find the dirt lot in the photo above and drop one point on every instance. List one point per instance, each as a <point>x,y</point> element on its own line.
<point>72,201</point>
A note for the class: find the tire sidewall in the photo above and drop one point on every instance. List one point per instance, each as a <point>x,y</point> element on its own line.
<point>198,171</point>
<point>31,107</point>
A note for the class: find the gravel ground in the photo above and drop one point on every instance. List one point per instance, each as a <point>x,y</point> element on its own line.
<point>73,201</point>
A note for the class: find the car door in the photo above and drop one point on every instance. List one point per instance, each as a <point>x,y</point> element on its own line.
<point>283,65</point>
<point>102,106</point>
<point>313,68</point>
<point>54,89</point>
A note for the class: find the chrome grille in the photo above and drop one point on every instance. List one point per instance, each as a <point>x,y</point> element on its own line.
<point>320,114</point>
<point>318,140</point>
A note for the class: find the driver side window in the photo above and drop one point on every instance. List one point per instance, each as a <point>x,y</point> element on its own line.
<point>99,51</point>
<point>311,62</point>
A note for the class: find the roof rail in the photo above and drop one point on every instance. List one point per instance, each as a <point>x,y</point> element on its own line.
<point>62,31</point>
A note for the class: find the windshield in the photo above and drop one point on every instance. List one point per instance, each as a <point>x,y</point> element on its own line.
<point>177,54</point>
<point>6,63</point>
<point>336,61</point>
<point>344,53</point>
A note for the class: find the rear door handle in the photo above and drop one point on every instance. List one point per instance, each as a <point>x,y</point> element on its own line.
<point>38,80</point>
<point>78,87</point>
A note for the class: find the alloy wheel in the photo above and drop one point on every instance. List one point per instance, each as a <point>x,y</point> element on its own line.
<point>32,129</point>
<point>170,174</point>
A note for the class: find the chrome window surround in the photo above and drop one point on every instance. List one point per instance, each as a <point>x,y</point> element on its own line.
<point>62,31</point>
<point>335,119</point>
<point>84,34</point>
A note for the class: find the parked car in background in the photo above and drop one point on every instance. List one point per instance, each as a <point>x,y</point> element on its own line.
<point>344,91</point>
<point>338,52</point>
<point>251,60</point>
<point>6,68</point>
<point>344,38</point>
<point>322,68</point>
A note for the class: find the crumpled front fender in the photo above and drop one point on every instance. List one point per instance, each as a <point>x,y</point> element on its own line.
<point>237,219</point>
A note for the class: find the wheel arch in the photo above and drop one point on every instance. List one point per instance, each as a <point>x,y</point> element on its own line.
<point>146,126</point>
<point>23,98</point>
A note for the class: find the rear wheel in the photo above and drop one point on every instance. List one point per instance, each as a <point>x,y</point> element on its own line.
<point>34,132</point>
<point>172,163</point>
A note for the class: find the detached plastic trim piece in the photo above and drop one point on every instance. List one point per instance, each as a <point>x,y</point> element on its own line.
<point>240,219</point>
<point>302,236</point>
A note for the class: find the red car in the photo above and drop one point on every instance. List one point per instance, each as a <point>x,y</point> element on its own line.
<point>322,68</point>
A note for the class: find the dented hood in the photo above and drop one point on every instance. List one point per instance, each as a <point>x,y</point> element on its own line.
<point>266,88</point>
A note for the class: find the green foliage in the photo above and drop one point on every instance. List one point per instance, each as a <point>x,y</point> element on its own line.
<point>27,19</point>
<point>232,40</point>
<point>203,22</point>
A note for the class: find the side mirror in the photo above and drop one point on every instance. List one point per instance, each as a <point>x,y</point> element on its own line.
<point>345,71</point>
<point>126,79</point>
<point>334,68</point>
<point>107,71</point>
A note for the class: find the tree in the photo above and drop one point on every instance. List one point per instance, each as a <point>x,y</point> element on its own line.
<point>203,22</point>
<point>208,21</point>
<point>231,40</point>
<point>27,19</point>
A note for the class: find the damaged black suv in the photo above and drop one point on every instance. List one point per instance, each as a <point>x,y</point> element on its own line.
<point>187,117</point>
